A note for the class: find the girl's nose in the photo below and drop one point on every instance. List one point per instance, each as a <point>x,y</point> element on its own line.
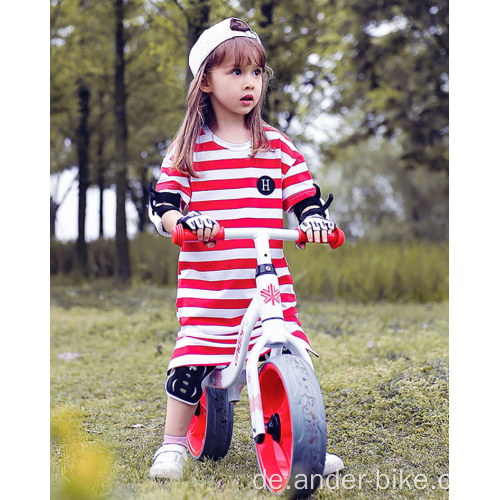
<point>249,84</point>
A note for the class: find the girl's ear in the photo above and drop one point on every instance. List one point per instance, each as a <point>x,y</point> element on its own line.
<point>205,84</point>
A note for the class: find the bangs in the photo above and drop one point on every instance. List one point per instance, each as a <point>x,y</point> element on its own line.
<point>238,51</point>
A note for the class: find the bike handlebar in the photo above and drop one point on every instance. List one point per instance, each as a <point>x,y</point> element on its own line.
<point>181,235</point>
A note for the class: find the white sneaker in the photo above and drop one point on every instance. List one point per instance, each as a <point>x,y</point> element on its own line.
<point>169,461</point>
<point>332,464</point>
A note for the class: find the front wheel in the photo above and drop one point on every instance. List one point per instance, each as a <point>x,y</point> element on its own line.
<point>292,456</point>
<point>211,428</point>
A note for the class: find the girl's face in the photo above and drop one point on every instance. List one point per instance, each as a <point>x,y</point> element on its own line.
<point>234,90</point>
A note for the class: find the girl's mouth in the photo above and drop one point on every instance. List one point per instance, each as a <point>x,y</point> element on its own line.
<point>247,100</point>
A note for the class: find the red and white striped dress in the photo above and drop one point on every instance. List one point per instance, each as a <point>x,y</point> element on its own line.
<point>217,284</point>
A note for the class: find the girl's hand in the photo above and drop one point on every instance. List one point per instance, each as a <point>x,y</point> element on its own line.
<point>317,229</point>
<point>204,226</point>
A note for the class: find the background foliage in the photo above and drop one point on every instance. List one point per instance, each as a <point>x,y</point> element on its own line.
<point>363,272</point>
<point>361,87</point>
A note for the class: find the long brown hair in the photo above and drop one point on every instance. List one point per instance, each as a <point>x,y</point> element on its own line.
<point>199,111</point>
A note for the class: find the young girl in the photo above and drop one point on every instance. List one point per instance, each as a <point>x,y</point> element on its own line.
<point>225,166</point>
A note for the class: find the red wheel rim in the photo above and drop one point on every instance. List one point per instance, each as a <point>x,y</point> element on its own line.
<point>197,428</point>
<point>275,458</point>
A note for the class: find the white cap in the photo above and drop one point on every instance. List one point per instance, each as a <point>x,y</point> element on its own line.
<point>214,36</point>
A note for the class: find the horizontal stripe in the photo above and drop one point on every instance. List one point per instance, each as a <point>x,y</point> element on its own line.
<point>213,303</point>
<point>224,314</point>
<point>305,188</point>
<point>236,284</point>
<point>167,172</point>
<point>206,144</point>
<point>246,213</point>
<point>203,351</point>
<point>234,322</point>
<point>232,194</point>
<point>223,204</point>
<point>194,311</point>
<point>296,178</point>
<point>214,331</point>
<point>203,158</point>
<point>233,171</point>
<point>224,303</point>
<point>291,161</point>
<point>230,245</point>
<point>195,341</point>
<point>296,169</point>
<point>227,254</point>
<point>194,360</point>
<point>263,223</point>
<point>249,182</point>
<point>224,264</point>
<point>222,275</point>
<point>229,293</point>
<point>294,197</point>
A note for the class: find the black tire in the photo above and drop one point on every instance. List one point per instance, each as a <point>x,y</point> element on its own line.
<point>211,428</point>
<point>294,446</point>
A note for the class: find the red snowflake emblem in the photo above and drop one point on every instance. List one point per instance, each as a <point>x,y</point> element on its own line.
<point>271,294</point>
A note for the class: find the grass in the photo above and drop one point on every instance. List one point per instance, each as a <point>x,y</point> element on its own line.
<point>364,270</point>
<point>383,371</point>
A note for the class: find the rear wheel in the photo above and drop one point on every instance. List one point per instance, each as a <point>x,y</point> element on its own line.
<point>292,456</point>
<point>211,428</point>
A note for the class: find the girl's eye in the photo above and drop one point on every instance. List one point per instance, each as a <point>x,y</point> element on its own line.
<point>236,71</point>
<point>257,72</point>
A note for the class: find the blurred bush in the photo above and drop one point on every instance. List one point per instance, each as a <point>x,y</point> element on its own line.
<point>153,259</point>
<point>370,271</point>
<point>82,468</point>
<point>363,271</point>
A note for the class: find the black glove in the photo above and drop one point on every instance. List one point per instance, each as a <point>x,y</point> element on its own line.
<point>313,225</point>
<point>202,225</point>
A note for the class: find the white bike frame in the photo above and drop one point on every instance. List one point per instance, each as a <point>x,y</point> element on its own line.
<point>266,305</point>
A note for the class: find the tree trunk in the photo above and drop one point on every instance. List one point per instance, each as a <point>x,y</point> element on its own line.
<point>145,199</point>
<point>100,166</point>
<point>122,247</point>
<point>53,214</point>
<point>83,174</point>
<point>142,201</point>
<point>197,15</point>
<point>100,184</point>
<point>267,11</point>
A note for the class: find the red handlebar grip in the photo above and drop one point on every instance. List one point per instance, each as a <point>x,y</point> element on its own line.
<point>334,240</point>
<point>180,235</point>
<point>338,238</point>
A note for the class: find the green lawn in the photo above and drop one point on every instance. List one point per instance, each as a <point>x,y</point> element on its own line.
<point>383,371</point>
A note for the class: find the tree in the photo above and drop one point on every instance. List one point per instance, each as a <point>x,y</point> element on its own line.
<point>70,107</point>
<point>396,65</point>
<point>83,139</point>
<point>375,196</point>
<point>393,71</point>
<point>293,33</point>
<point>155,80</point>
<point>121,239</point>
<point>143,103</point>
